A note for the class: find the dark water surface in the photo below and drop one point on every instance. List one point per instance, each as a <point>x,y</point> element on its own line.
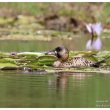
<point>18,89</point>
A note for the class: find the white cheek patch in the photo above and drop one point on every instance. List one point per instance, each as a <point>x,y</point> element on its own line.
<point>55,52</point>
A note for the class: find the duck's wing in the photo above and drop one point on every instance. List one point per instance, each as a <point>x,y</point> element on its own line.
<point>76,62</point>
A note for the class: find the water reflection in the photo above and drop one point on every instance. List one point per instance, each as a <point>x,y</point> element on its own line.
<point>62,80</point>
<point>20,89</point>
<point>73,44</point>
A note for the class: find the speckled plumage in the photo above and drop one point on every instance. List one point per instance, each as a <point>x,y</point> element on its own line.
<point>74,62</point>
<point>63,60</point>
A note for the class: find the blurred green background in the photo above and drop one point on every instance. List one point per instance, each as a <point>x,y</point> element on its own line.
<point>59,16</point>
<point>80,10</point>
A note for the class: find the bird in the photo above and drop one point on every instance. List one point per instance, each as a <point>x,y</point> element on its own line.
<point>63,60</point>
<point>95,42</point>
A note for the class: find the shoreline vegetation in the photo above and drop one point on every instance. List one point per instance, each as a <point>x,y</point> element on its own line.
<point>30,21</point>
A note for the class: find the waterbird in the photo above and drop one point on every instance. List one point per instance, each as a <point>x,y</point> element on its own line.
<point>63,59</point>
<point>95,42</point>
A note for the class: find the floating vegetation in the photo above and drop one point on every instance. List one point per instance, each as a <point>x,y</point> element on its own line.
<point>35,61</point>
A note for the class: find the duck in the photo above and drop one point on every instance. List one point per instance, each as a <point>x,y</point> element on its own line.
<point>95,30</point>
<point>63,60</point>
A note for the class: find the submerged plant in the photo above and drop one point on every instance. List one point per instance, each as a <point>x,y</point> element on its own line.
<point>95,42</point>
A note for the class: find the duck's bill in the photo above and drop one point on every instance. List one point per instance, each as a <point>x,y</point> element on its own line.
<point>52,52</point>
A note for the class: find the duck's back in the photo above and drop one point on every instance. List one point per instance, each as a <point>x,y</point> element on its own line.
<point>76,62</point>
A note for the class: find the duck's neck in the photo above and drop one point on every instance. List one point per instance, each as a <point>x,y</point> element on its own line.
<point>64,58</point>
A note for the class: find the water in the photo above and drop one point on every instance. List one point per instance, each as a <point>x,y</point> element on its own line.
<point>20,89</point>
<point>78,43</point>
<point>54,90</point>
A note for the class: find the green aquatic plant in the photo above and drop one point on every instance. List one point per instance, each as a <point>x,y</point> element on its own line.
<point>35,61</point>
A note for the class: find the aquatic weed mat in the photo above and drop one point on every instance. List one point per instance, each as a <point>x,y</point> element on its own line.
<point>41,63</point>
<point>79,70</point>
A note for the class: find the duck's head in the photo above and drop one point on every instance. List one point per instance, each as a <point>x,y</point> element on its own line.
<point>61,53</point>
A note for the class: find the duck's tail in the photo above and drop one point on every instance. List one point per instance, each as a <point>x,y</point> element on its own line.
<point>97,64</point>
